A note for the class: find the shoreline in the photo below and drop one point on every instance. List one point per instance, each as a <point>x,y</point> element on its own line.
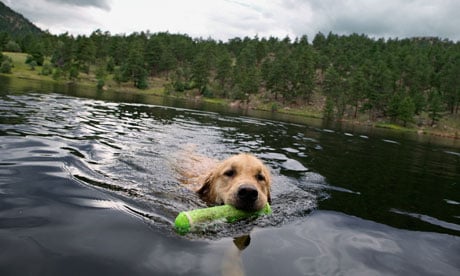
<point>291,111</point>
<point>156,88</point>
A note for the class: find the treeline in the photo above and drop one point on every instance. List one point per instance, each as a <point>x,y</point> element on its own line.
<point>354,74</point>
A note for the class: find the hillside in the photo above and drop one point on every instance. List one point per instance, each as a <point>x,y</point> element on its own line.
<point>15,24</point>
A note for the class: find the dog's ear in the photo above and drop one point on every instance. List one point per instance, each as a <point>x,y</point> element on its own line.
<point>205,192</point>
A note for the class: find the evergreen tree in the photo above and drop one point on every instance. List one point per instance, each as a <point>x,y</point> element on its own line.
<point>4,38</point>
<point>101,42</point>
<point>85,53</point>
<point>200,71</point>
<point>167,61</point>
<point>435,107</point>
<point>133,68</point>
<point>153,54</point>
<point>388,78</point>
<point>223,70</point>
<point>304,75</point>
<point>359,88</point>
<point>406,110</point>
<point>281,77</point>
<point>381,87</point>
<point>12,46</point>
<point>334,90</point>
<point>63,55</point>
<point>450,83</point>
<point>6,65</point>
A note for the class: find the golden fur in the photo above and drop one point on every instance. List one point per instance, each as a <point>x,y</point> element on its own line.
<point>241,180</point>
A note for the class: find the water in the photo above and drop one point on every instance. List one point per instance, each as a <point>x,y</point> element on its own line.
<point>87,187</point>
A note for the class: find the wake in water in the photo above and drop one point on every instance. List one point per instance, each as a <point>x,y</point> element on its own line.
<point>126,151</point>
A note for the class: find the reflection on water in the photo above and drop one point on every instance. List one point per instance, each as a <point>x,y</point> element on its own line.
<point>128,149</point>
<point>329,243</point>
<point>81,179</point>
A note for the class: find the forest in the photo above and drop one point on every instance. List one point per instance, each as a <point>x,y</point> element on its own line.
<point>351,75</point>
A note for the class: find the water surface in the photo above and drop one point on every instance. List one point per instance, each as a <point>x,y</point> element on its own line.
<point>87,186</point>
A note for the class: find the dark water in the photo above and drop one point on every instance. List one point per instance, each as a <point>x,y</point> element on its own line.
<point>87,187</point>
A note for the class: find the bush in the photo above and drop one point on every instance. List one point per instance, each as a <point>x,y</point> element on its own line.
<point>100,84</point>
<point>36,57</point>
<point>47,69</point>
<point>39,58</point>
<point>236,93</point>
<point>57,73</point>
<point>12,46</point>
<point>206,92</point>
<point>142,83</point>
<point>179,86</point>
<point>6,66</point>
<point>110,65</point>
<point>328,110</point>
<point>73,72</point>
<point>169,88</point>
<point>32,65</point>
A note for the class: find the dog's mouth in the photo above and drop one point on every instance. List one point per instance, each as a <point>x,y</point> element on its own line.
<point>248,207</point>
<point>244,206</point>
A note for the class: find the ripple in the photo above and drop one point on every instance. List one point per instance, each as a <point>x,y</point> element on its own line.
<point>125,150</point>
<point>290,150</point>
<point>428,219</point>
<point>452,153</point>
<point>273,156</point>
<point>293,165</point>
<point>23,222</point>
<point>452,202</point>
<point>391,141</point>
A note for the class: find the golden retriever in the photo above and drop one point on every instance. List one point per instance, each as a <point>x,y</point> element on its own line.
<point>241,180</point>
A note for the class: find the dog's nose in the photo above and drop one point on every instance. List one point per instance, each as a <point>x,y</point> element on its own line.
<point>247,193</point>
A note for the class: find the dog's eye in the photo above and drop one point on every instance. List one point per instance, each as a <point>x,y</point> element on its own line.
<point>260,177</point>
<point>229,173</point>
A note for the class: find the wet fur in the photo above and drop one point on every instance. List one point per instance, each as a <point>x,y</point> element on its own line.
<point>219,182</point>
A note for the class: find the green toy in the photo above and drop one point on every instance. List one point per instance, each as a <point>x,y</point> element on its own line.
<point>186,220</point>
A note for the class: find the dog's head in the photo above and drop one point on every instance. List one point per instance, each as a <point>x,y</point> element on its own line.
<point>241,180</point>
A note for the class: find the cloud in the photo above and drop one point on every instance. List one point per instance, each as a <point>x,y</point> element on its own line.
<point>390,18</point>
<point>102,4</point>
<point>224,19</point>
<point>59,18</point>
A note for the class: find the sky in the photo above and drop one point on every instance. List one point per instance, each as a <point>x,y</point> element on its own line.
<point>225,19</point>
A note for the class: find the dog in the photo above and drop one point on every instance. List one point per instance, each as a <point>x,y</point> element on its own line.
<point>241,180</point>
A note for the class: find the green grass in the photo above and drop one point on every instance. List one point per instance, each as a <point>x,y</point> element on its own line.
<point>21,69</point>
<point>218,101</point>
<point>390,126</point>
<point>298,111</point>
<point>19,59</point>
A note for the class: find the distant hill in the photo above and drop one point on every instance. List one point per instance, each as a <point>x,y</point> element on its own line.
<point>15,24</point>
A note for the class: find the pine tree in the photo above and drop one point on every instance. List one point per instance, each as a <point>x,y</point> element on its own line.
<point>133,69</point>
<point>200,72</point>
<point>334,90</point>
<point>223,70</point>
<point>435,107</point>
<point>406,110</point>
<point>450,84</point>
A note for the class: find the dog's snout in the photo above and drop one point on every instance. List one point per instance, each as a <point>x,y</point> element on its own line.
<point>247,193</point>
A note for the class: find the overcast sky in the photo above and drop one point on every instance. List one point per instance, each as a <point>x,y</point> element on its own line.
<point>224,19</point>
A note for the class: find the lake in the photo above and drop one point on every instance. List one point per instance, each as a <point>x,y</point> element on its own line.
<point>87,187</point>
